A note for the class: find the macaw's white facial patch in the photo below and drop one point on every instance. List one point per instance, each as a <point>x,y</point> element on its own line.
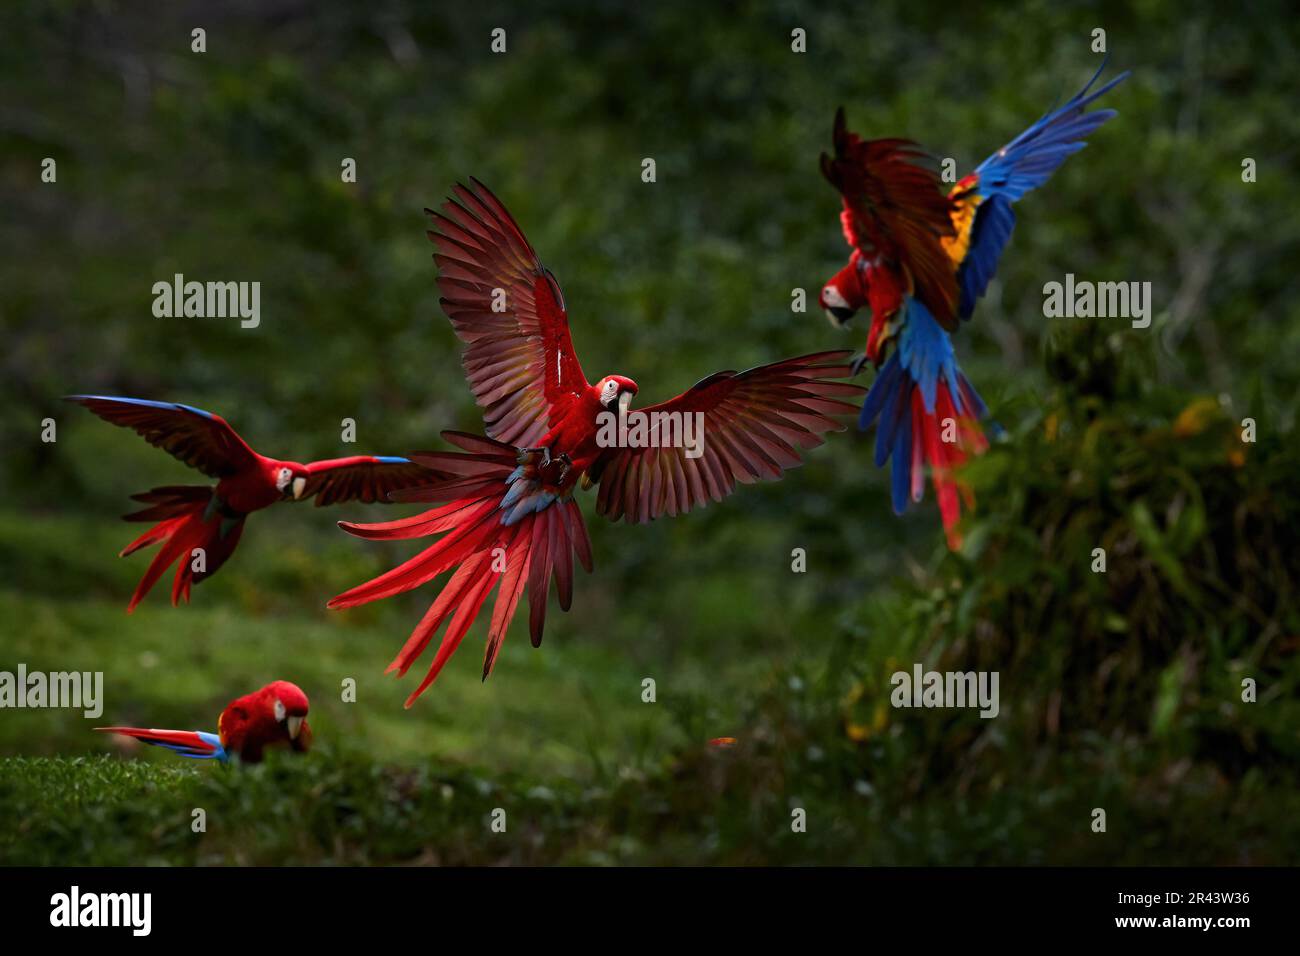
<point>832,299</point>
<point>608,391</point>
<point>279,710</point>
<point>282,479</point>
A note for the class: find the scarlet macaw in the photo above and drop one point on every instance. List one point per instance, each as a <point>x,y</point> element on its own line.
<point>920,261</point>
<point>509,512</point>
<point>212,519</point>
<point>276,715</point>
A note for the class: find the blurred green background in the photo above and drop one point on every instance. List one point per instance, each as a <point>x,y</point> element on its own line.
<point>1120,691</point>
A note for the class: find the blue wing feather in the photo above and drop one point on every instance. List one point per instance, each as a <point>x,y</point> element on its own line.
<point>148,403</point>
<point>990,233</point>
<point>1023,164</point>
<point>1028,160</point>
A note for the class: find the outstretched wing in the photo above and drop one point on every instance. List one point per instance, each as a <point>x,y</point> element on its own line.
<point>896,207</point>
<point>508,310</point>
<point>752,425</point>
<point>363,478</point>
<point>200,439</point>
<point>985,218</point>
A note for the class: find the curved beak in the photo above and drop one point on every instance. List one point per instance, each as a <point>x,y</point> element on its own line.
<point>299,486</point>
<point>624,402</point>
<point>295,727</point>
<point>839,317</point>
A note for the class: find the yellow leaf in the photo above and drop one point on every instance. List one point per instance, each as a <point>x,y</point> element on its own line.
<point>1194,419</point>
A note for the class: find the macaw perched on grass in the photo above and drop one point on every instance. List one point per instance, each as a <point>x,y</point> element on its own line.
<point>276,715</point>
<point>509,515</point>
<point>921,259</point>
<point>212,519</point>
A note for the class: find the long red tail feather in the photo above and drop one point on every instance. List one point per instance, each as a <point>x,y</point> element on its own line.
<point>945,458</point>
<point>181,530</point>
<point>495,530</point>
<point>188,743</point>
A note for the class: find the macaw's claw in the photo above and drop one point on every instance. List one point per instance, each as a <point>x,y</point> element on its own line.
<point>544,450</point>
<point>857,364</point>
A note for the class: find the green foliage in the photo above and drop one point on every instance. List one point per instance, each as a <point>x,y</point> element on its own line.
<point>1138,667</point>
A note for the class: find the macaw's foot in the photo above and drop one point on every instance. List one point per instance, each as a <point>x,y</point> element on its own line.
<point>566,465</point>
<point>857,364</point>
<point>214,506</point>
<point>544,451</point>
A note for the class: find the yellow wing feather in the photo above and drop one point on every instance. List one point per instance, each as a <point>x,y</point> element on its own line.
<point>963,220</point>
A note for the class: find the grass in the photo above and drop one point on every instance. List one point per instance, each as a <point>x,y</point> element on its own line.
<point>704,806</point>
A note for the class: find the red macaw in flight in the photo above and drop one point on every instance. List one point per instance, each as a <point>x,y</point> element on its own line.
<point>212,519</point>
<point>921,258</point>
<point>276,715</point>
<point>509,514</point>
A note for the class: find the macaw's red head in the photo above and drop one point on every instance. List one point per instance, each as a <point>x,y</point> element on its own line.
<point>843,295</point>
<point>616,388</point>
<point>288,706</point>
<point>290,480</point>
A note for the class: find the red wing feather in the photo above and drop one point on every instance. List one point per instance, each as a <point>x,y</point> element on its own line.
<point>509,311</point>
<point>755,425</point>
<point>200,439</point>
<point>364,478</point>
<point>896,207</point>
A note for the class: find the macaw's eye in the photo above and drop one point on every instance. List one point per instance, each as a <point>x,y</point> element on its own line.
<point>832,299</point>
<point>279,710</point>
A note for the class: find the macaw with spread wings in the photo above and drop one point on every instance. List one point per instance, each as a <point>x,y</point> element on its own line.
<point>921,259</point>
<point>509,516</point>
<point>199,524</point>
